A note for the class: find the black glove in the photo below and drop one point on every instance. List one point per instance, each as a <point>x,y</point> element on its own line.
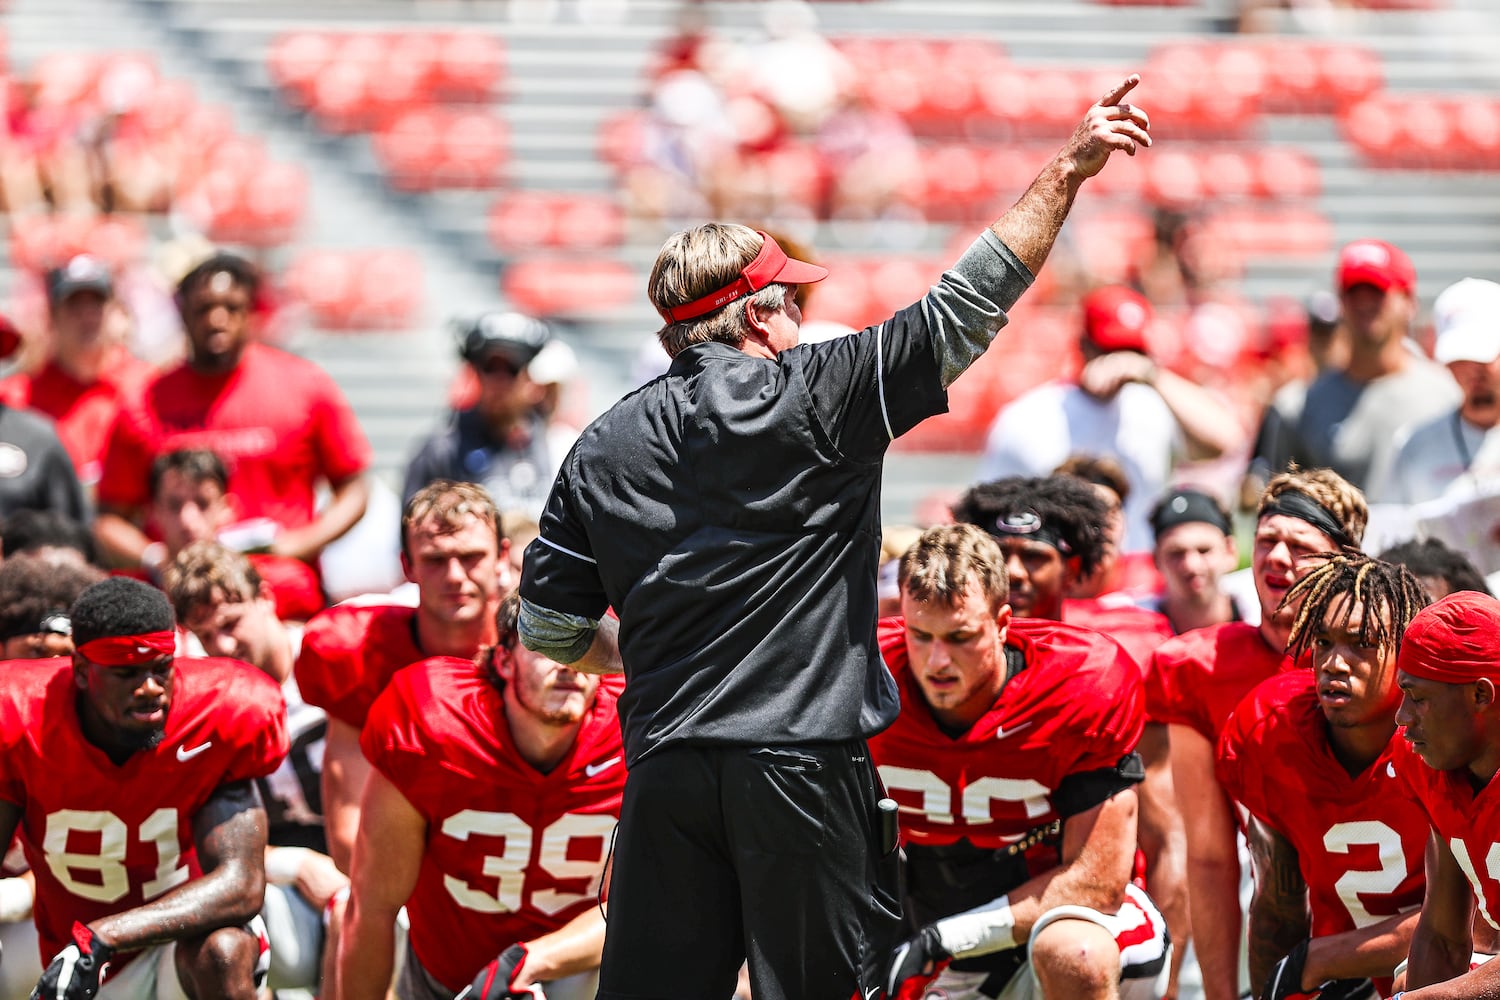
<point>494,980</point>
<point>915,958</point>
<point>1285,982</point>
<point>74,973</point>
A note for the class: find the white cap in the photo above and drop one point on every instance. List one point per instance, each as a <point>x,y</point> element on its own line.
<point>1467,317</point>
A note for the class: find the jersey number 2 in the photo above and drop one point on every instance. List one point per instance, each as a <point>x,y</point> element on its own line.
<point>1383,881</point>
<point>110,879</point>
<point>510,866</point>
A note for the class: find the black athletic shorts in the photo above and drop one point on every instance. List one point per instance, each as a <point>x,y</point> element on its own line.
<point>772,854</point>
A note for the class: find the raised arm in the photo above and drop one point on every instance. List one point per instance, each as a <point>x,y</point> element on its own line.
<point>1033,222</point>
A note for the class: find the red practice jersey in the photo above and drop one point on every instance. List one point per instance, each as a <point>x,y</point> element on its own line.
<point>1466,820</point>
<point>101,837</point>
<point>280,423</point>
<point>1197,678</point>
<point>1074,708</point>
<point>1139,630</point>
<point>350,653</point>
<point>1359,841</point>
<point>511,852</point>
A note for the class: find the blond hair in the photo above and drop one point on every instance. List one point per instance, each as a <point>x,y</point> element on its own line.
<point>942,562</point>
<point>1329,490</point>
<point>205,573</point>
<point>695,262</point>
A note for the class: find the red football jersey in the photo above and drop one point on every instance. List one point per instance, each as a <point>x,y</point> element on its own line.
<point>1076,707</point>
<point>280,423</point>
<point>102,837</point>
<point>350,653</point>
<point>511,852</point>
<point>1139,630</point>
<point>1359,842</point>
<point>84,414</point>
<point>1197,678</point>
<point>1467,820</point>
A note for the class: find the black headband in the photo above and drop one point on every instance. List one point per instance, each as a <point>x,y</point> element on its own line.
<point>1294,503</point>
<point>1186,507</point>
<point>1028,524</point>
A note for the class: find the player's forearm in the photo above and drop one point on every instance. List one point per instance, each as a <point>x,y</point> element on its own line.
<point>586,644</point>
<point>1434,957</point>
<point>367,950</point>
<point>1276,926</point>
<point>1366,952</point>
<point>226,897</point>
<point>1213,898</point>
<point>344,509</point>
<point>575,947</point>
<point>1482,983</point>
<point>121,543</point>
<point>1208,424</point>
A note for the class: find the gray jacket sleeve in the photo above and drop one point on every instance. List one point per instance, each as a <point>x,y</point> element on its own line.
<point>968,306</point>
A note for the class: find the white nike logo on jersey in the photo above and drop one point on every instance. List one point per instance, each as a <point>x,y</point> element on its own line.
<point>184,754</point>
<point>1390,769</point>
<point>1001,733</point>
<point>595,769</point>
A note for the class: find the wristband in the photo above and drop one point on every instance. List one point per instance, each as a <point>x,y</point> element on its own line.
<point>15,900</point>
<point>283,864</point>
<point>980,931</point>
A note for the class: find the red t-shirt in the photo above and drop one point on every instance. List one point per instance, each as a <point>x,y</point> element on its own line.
<point>103,838</point>
<point>511,852</point>
<point>350,653</point>
<point>1359,842</point>
<point>1076,707</point>
<point>1467,820</point>
<point>1197,678</point>
<point>84,414</point>
<point>1139,630</point>
<point>279,423</point>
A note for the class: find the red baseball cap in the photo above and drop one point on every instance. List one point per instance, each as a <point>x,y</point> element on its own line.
<point>770,265</point>
<point>1375,262</point>
<point>1115,318</point>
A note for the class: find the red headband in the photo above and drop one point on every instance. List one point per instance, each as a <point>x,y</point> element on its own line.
<point>771,264</point>
<point>129,650</point>
<point>1455,641</point>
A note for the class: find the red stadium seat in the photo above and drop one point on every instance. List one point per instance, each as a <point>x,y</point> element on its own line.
<point>1476,123</point>
<point>1283,173</point>
<point>569,286</point>
<point>410,149</point>
<point>1174,178</point>
<point>470,66</point>
<point>474,150</point>
<point>296,60</point>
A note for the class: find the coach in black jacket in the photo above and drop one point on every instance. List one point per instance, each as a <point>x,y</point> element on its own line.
<point>729,513</point>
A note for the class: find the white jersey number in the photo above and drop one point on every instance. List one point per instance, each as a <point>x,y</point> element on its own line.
<point>1381,882</point>
<point>1491,867</point>
<point>521,852</point>
<point>109,880</point>
<point>974,805</point>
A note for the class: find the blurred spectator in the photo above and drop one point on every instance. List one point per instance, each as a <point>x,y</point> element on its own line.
<point>1462,446</point>
<point>36,591</point>
<point>796,70</point>
<point>1124,405</point>
<point>45,531</point>
<point>280,423</point>
<point>89,372</point>
<point>1125,576</point>
<point>1195,547</point>
<point>504,442</point>
<point>1441,570</point>
<point>871,158</point>
<point>35,470</point>
<point>1349,419</point>
<point>686,140</point>
<point>190,503</point>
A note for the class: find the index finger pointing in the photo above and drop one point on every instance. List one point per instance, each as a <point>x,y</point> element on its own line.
<point>1124,87</point>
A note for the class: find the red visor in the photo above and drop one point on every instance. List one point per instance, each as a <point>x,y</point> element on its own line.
<point>770,265</point>
<point>129,650</point>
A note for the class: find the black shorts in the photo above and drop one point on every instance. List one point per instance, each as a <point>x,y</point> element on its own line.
<point>771,854</point>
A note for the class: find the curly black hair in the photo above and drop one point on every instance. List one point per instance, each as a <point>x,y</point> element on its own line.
<point>120,606</point>
<point>1065,505</point>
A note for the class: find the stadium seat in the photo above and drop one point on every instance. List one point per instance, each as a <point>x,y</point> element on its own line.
<point>470,66</point>
<point>569,286</point>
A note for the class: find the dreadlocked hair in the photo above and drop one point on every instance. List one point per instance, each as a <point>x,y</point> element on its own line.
<point>1372,583</point>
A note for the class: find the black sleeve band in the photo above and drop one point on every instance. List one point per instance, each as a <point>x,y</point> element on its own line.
<point>1081,792</point>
